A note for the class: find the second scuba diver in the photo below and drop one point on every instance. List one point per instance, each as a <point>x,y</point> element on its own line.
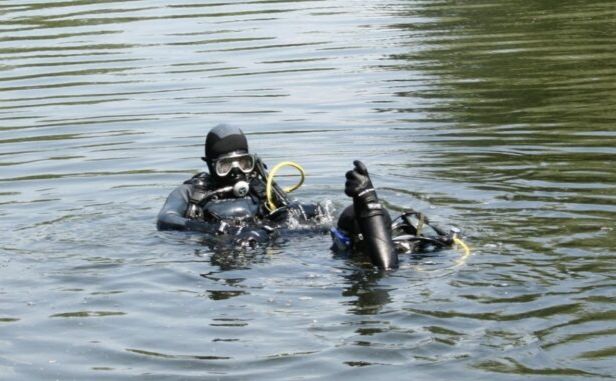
<point>366,226</point>
<point>232,200</point>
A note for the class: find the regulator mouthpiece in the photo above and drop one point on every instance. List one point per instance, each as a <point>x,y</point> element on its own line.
<point>240,189</point>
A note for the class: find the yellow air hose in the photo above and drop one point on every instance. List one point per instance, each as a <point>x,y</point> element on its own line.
<point>467,251</point>
<point>270,181</point>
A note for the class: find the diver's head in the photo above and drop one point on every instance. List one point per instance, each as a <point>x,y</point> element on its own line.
<point>226,154</point>
<point>346,231</point>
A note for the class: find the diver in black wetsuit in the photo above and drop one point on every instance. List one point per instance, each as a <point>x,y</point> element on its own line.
<point>366,225</point>
<point>231,199</point>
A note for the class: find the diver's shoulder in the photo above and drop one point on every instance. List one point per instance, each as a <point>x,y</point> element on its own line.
<point>200,179</point>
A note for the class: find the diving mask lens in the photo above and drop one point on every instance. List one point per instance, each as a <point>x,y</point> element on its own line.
<point>342,242</point>
<point>245,163</point>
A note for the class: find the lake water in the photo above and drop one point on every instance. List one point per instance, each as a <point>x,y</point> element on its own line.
<point>498,117</point>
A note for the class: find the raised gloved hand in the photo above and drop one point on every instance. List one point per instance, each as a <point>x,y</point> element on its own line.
<point>373,220</point>
<point>358,184</point>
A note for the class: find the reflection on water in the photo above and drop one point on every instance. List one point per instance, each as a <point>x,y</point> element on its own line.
<point>495,117</point>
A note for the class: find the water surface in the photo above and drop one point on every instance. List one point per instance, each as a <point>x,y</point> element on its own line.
<point>496,117</point>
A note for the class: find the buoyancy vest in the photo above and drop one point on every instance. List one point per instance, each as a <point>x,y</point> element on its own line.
<point>213,202</point>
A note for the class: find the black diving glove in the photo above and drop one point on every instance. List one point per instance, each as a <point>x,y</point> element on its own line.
<point>358,184</point>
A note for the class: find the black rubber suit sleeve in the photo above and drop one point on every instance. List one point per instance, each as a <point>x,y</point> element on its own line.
<point>171,216</point>
<point>376,231</point>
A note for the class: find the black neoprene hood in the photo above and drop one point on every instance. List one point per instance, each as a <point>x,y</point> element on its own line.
<point>224,139</point>
<point>347,222</point>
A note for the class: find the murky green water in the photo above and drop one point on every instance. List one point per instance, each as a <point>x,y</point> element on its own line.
<point>498,117</point>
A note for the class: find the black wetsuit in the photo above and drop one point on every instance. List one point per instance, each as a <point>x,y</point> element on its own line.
<point>202,204</point>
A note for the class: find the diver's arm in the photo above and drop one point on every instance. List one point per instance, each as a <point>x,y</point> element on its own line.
<point>376,233</point>
<point>171,216</point>
<point>371,217</point>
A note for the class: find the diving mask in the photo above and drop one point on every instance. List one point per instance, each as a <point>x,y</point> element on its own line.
<point>224,165</point>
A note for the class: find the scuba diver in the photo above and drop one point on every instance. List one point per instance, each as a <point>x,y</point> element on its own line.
<point>237,198</point>
<point>367,227</point>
